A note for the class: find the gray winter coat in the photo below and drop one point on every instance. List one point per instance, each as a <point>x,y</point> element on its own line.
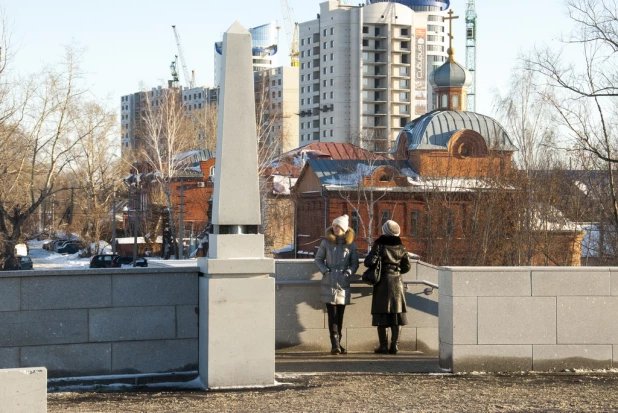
<point>388,294</point>
<point>337,259</point>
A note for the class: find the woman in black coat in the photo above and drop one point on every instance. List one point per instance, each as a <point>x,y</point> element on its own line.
<point>388,306</point>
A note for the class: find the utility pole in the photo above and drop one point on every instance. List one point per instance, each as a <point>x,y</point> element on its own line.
<point>181,250</point>
<point>114,221</point>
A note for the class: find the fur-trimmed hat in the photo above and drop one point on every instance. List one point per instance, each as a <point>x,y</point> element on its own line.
<point>342,222</point>
<point>390,227</point>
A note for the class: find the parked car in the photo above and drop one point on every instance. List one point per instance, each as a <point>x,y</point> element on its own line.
<point>121,260</point>
<point>11,263</point>
<point>68,248</point>
<point>102,261</point>
<point>24,262</point>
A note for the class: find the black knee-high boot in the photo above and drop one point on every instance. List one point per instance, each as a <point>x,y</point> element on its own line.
<point>382,336</point>
<point>395,332</point>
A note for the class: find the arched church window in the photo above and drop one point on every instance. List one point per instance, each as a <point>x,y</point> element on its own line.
<point>444,101</point>
<point>455,101</point>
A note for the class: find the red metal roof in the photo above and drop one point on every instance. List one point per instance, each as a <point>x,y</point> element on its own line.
<point>336,151</point>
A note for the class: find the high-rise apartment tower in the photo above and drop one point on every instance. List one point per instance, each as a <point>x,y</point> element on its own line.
<point>364,69</point>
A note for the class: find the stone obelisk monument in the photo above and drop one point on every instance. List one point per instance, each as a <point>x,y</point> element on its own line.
<point>237,296</point>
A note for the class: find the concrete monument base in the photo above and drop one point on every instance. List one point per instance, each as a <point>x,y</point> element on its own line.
<point>237,331</point>
<point>23,390</point>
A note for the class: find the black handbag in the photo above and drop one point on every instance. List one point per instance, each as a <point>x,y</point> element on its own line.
<point>372,274</point>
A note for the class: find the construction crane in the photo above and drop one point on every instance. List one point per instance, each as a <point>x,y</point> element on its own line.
<point>291,30</point>
<point>189,81</point>
<point>471,52</point>
<point>174,72</point>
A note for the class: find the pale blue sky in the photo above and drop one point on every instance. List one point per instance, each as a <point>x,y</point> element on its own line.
<point>131,42</point>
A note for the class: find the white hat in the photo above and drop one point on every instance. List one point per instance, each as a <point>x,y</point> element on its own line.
<point>390,227</point>
<point>342,222</point>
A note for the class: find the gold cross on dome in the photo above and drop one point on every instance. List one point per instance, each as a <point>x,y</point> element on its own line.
<point>450,27</point>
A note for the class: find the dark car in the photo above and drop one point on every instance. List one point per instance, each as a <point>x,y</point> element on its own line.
<point>11,263</point>
<point>24,262</point>
<point>121,260</point>
<point>102,261</point>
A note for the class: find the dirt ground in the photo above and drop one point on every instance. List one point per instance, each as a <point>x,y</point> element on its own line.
<point>371,392</point>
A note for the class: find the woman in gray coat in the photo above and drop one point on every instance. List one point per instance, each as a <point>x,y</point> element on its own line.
<point>388,305</point>
<point>337,259</point>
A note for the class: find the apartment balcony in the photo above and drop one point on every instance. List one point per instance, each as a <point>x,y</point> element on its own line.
<point>398,72</point>
<point>373,49</point>
<point>374,88</point>
<point>373,99</point>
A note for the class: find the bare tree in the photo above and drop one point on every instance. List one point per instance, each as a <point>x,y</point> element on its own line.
<point>583,93</point>
<point>38,132</point>
<point>168,133</point>
<point>94,172</point>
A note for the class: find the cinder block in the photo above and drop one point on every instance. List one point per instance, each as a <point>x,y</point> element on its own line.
<point>587,320</point>
<point>23,390</point>
<point>158,356</point>
<point>445,281</point>
<point>490,282</point>
<point>358,312</point>
<point>465,320</point>
<point>558,358</point>
<point>65,292</point>
<point>291,341</point>
<point>427,341</point>
<point>9,294</point>
<point>422,309</point>
<point>445,319</point>
<point>132,323</point>
<point>70,360</point>
<point>588,282</point>
<point>9,357</point>
<point>298,307</point>
<point>297,270</point>
<point>516,320</point>
<point>32,328</point>
<point>366,339</point>
<point>492,358</point>
<point>613,275</point>
<point>186,321</point>
<point>135,290</point>
<point>427,272</point>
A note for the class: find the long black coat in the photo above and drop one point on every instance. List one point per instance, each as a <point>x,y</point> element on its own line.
<point>388,294</point>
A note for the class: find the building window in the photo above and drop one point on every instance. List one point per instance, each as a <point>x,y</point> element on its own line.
<point>302,66</point>
<point>455,101</point>
<point>449,223</point>
<point>365,29</point>
<point>332,69</point>
<point>355,220</point>
<point>365,42</point>
<point>325,57</point>
<point>386,215</point>
<point>444,101</point>
<point>331,82</point>
<point>331,132</point>
<point>279,82</point>
<point>325,32</point>
<point>302,42</point>
<point>324,95</point>
<point>331,120</point>
<point>325,45</point>
<point>324,83</point>
<point>309,76</point>
<point>414,223</point>
<point>302,78</point>
<point>332,43</point>
<point>332,30</point>
<point>404,32</point>
<point>324,70</point>
<point>324,134</point>
<point>302,101</point>
<point>332,57</point>
<point>302,54</point>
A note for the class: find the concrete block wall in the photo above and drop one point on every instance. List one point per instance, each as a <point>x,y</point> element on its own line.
<point>100,322</point>
<point>301,319</point>
<point>528,318</point>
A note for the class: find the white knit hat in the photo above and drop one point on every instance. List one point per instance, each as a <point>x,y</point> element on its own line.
<point>390,227</point>
<point>342,222</point>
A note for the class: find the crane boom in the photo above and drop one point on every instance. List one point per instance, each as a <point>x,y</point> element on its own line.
<point>291,31</point>
<point>188,80</point>
<point>471,52</point>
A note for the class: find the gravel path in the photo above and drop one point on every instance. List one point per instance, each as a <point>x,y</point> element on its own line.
<point>375,392</point>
